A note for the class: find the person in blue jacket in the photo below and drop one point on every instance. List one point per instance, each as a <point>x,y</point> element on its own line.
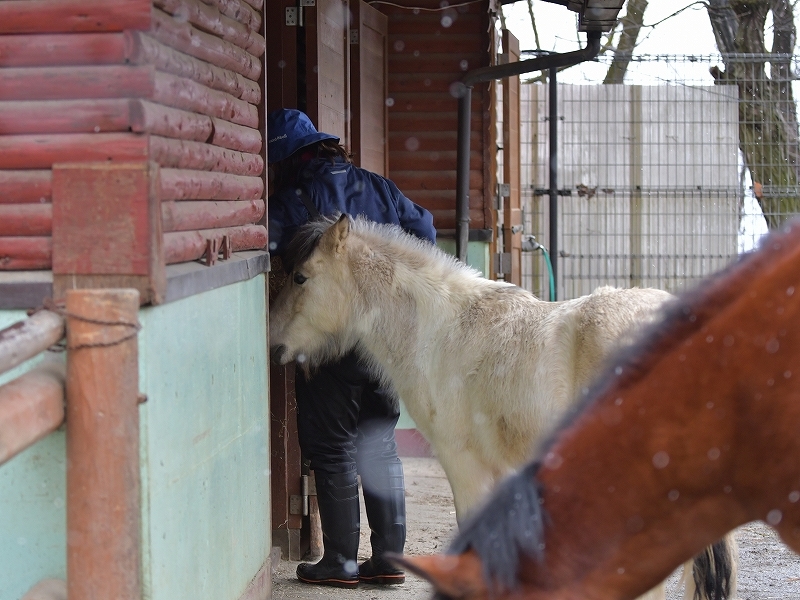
<point>345,419</point>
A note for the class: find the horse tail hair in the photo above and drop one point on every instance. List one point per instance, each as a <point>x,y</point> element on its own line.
<point>509,525</point>
<point>714,571</point>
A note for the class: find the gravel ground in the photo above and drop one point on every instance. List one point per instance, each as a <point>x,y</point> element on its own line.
<point>767,568</point>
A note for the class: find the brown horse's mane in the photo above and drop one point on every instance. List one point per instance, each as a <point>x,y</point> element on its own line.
<point>513,521</point>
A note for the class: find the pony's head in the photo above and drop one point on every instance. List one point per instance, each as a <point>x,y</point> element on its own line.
<point>308,320</point>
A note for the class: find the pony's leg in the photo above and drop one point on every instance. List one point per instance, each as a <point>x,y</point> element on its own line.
<point>470,479</point>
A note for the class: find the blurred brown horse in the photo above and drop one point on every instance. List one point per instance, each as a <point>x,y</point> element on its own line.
<point>689,435</point>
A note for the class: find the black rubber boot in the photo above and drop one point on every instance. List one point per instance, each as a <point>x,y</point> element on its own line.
<point>339,515</point>
<point>385,502</point>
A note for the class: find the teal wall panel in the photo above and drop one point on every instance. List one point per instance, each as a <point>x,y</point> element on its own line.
<point>205,443</point>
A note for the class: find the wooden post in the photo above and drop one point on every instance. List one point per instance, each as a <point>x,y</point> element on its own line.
<point>103,503</point>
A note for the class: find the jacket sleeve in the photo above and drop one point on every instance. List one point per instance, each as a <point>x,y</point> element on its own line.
<point>285,217</point>
<point>414,219</point>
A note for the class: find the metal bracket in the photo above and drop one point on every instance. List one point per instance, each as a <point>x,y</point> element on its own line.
<point>291,16</point>
<point>504,189</point>
<point>308,2</point>
<point>216,247</point>
<point>295,504</point>
<point>354,37</point>
<point>502,263</point>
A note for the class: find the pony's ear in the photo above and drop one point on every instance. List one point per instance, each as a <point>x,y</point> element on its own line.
<point>334,238</point>
<point>454,576</point>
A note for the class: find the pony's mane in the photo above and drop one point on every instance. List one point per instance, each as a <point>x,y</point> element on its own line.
<point>512,523</point>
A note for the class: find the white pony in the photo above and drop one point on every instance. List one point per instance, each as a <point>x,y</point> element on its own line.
<point>484,368</point>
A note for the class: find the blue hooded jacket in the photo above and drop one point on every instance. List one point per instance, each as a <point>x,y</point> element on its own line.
<point>341,187</point>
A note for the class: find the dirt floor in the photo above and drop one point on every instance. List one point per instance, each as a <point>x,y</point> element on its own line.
<point>767,569</point>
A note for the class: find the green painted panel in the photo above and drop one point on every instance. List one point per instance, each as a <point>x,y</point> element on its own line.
<point>205,443</point>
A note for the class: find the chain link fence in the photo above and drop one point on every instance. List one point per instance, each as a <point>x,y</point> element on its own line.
<point>654,180</point>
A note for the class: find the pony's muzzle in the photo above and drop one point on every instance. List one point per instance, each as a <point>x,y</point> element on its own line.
<point>279,355</point>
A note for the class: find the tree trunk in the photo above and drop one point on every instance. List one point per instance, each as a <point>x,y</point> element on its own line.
<point>631,25</point>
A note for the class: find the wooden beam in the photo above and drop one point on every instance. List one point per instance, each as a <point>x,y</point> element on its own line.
<point>42,151</point>
<point>60,49</point>
<point>72,83</point>
<point>183,246</point>
<point>181,154</point>
<point>19,117</point>
<point>239,11</point>
<point>31,407</point>
<point>25,253</point>
<point>148,117</point>
<point>184,184</point>
<point>103,485</point>
<point>236,137</point>
<point>28,186</point>
<point>73,16</point>
<point>27,338</point>
<point>189,216</point>
<point>26,219</point>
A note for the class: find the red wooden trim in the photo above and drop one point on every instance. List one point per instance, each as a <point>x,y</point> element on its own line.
<point>182,184</point>
<point>205,214</point>
<point>42,151</point>
<point>22,187</point>
<point>183,246</point>
<point>72,16</point>
<point>239,11</point>
<point>103,485</point>
<point>24,253</point>
<point>205,46</point>
<point>235,137</point>
<point>144,50</point>
<point>192,96</point>
<point>147,117</point>
<point>411,443</point>
<point>63,116</point>
<point>64,83</point>
<point>55,49</point>
<point>31,407</point>
<point>208,18</point>
<point>181,154</point>
<point>26,219</point>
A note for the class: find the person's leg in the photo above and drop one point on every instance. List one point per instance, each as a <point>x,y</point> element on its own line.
<point>382,482</point>
<point>327,419</point>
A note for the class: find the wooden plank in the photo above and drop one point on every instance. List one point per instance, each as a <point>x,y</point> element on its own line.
<point>103,486</point>
<point>238,11</point>
<point>57,49</point>
<point>203,214</point>
<point>26,219</point>
<point>236,137</point>
<point>64,116</point>
<point>181,154</point>
<point>73,16</point>
<point>148,117</point>
<point>431,103</point>
<point>107,222</point>
<point>208,18</point>
<point>282,48</point>
<point>183,184</point>
<point>22,187</point>
<point>187,39</point>
<point>145,50</point>
<point>183,246</point>
<point>424,43</point>
<point>455,64</point>
<point>25,253</point>
<point>186,94</point>
<point>42,151</point>
<point>418,140</point>
<point>512,208</point>
<point>65,83</point>
<point>31,407</point>
<point>408,181</point>
<point>433,160</point>
<point>26,338</point>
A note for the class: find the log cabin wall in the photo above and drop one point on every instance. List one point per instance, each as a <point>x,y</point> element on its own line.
<point>171,86</point>
<point>429,52</point>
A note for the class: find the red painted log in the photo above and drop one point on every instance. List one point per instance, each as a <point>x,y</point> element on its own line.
<point>42,151</point>
<point>204,46</point>
<point>189,95</point>
<point>64,116</point>
<point>181,184</point>
<point>208,18</point>
<point>31,407</point>
<point>55,49</point>
<point>190,216</point>
<point>147,117</point>
<point>257,4</point>
<point>65,83</point>
<point>183,246</point>
<point>25,187</point>
<point>180,154</point>
<point>236,137</point>
<point>26,219</point>
<point>144,50</point>
<point>73,16</point>
<point>24,253</point>
<point>26,338</point>
<point>103,480</point>
<point>238,11</point>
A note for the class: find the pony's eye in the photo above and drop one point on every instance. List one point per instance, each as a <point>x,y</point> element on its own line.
<point>299,278</point>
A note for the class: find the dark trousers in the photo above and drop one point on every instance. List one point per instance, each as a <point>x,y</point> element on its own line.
<point>345,419</point>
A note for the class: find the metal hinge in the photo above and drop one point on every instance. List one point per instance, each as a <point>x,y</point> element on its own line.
<point>308,2</point>
<point>291,16</point>
<point>354,37</point>
<point>502,263</point>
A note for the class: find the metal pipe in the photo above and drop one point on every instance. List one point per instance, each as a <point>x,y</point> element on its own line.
<point>484,74</point>
<point>553,130</point>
